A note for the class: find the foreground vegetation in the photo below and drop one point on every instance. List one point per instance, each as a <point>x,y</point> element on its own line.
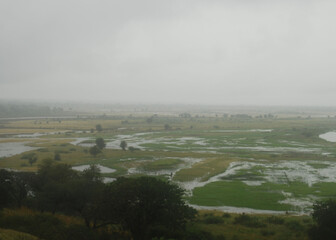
<point>60,203</point>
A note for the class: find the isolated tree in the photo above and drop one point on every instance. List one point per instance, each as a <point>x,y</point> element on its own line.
<point>99,128</point>
<point>167,127</point>
<point>100,143</point>
<point>145,206</point>
<point>94,150</point>
<point>123,145</point>
<point>31,157</point>
<point>32,160</point>
<point>57,156</point>
<point>149,120</point>
<point>324,215</point>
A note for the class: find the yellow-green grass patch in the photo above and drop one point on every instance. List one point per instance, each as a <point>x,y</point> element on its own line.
<point>204,169</point>
<point>8,234</point>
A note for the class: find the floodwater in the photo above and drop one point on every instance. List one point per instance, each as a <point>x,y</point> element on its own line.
<point>329,136</point>
<point>102,169</point>
<point>108,179</point>
<point>140,141</point>
<point>241,131</point>
<point>281,172</point>
<point>8,149</point>
<point>187,163</point>
<point>37,134</point>
<point>237,209</point>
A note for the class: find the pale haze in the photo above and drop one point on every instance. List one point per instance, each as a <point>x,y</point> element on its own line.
<point>250,52</point>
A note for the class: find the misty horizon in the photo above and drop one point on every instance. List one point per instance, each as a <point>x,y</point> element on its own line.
<point>250,53</point>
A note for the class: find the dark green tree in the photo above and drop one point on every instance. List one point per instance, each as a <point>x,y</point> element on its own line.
<point>14,187</point>
<point>94,150</point>
<point>57,156</point>
<point>100,143</point>
<point>145,205</point>
<point>31,157</point>
<point>5,188</point>
<point>123,145</point>
<point>51,185</point>
<point>324,215</point>
<point>84,195</point>
<point>32,160</point>
<point>99,128</point>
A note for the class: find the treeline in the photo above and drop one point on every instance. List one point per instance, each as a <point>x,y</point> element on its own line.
<point>29,110</point>
<point>144,207</point>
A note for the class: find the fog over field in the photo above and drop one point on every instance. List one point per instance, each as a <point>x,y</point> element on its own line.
<point>256,52</point>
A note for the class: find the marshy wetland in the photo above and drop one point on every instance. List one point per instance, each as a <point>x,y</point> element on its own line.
<point>238,164</point>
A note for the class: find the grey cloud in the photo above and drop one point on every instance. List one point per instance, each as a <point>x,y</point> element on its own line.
<point>230,52</point>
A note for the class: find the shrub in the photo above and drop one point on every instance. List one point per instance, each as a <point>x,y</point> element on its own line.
<point>132,149</point>
<point>275,220</point>
<point>45,225</point>
<point>57,157</point>
<point>267,233</point>
<point>213,220</point>
<point>294,226</point>
<point>43,150</point>
<point>28,155</point>
<point>248,221</point>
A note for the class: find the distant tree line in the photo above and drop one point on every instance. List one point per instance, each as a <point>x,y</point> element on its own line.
<point>29,110</point>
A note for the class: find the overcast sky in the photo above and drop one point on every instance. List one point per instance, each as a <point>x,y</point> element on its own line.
<point>230,52</point>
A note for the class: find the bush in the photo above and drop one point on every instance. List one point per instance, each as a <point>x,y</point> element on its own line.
<point>197,234</point>
<point>28,156</point>
<point>213,220</point>
<point>294,225</point>
<point>43,150</point>
<point>45,225</point>
<point>57,157</point>
<point>267,233</point>
<point>220,237</point>
<point>275,220</point>
<point>132,149</point>
<point>248,221</point>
